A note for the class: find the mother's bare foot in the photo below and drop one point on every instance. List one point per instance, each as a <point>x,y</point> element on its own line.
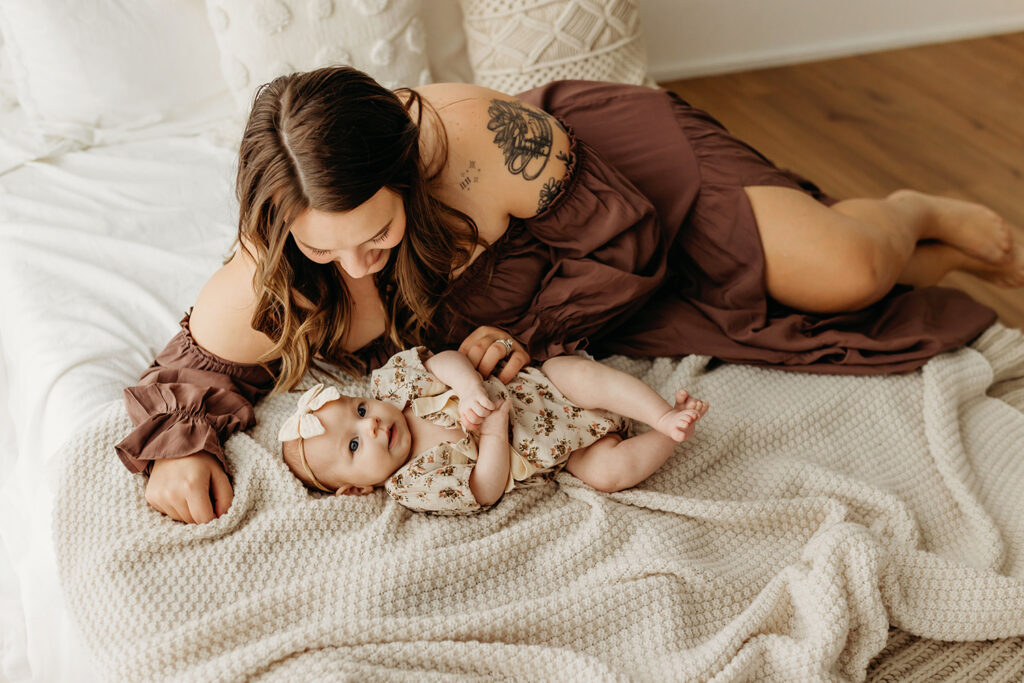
<point>678,423</point>
<point>1007,275</point>
<point>975,229</point>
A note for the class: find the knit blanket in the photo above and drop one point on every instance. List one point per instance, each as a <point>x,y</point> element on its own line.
<point>808,514</point>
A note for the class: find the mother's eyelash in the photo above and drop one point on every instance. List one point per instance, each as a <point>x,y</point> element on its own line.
<point>324,252</point>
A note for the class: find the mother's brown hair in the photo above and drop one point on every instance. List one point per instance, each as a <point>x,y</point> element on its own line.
<point>330,139</point>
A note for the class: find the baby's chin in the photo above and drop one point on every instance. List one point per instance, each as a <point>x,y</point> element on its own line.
<point>379,484</point>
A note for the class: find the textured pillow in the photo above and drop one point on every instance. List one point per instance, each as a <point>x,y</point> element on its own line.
<point>515,45</point>
<point>100,63</point>
<point>262,39</point>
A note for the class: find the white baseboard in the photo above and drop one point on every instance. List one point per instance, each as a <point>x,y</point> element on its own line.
<point>795,54</point>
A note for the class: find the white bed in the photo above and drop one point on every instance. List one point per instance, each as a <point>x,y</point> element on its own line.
<point>116,204</point>
<point>107,232</point>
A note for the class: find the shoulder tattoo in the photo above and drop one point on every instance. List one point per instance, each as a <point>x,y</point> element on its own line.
<point>551,188</point>
<point>523,135</point>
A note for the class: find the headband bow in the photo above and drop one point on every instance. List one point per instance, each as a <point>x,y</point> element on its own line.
<point>303,423</point>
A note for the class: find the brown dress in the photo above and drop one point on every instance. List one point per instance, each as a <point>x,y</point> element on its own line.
<point>649,249</point>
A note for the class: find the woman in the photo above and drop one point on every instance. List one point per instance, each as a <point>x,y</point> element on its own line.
<point>519,228</point>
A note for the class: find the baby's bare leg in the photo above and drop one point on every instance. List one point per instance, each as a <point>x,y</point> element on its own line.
<point>589,384</point>
<point>612,463</point>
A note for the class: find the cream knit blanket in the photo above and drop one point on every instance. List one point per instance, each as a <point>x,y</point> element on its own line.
<point>809,512</point>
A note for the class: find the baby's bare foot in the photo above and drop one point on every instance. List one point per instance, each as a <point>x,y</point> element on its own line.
<point>1007,275</point>
<point>976,230</point>
<point>678,423</point>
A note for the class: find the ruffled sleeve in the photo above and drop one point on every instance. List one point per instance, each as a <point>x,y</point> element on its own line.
<point>404,378</point>
<point>585,264</point>
<point>438,480</point>
<point>189,401</point>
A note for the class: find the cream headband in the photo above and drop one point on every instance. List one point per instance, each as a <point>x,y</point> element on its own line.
<point>303,424</point>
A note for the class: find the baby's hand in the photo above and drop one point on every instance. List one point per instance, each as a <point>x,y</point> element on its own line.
<point>496,424</point>
<point>474,406</point>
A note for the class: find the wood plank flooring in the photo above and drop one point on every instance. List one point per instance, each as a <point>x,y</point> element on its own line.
<point>946,119</point>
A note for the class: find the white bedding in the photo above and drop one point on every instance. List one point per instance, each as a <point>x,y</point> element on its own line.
<point>101,251</point>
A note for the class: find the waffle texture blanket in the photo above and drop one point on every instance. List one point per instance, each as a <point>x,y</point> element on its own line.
<point>808,513</point>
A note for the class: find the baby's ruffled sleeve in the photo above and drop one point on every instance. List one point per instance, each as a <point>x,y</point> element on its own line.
<point>187,402</point>
<point>404,378</point>
<point>437,481</point>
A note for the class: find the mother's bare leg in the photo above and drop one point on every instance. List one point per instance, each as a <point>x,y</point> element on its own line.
<point>845,257</point>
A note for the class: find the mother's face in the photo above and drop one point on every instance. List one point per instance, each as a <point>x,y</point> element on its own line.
<point>360,240</point>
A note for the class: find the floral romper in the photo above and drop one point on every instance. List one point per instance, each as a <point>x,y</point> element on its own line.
<point>544,430</point>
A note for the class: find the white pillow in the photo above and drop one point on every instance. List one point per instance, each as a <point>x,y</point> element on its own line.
<point>262,39</point>
<point>109,63</point>
<point>516,45</point>
<point>8,95</point>
<point>446,42</point>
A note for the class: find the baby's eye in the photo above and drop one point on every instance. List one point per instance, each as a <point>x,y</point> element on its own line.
<point>353,445</point>
<point>361,410</point>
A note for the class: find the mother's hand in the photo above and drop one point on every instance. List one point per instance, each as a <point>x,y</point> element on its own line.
<point>484,349</point>
<point>192,489</point>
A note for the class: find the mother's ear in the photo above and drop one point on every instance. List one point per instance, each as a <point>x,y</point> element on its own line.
<point>352,490</point>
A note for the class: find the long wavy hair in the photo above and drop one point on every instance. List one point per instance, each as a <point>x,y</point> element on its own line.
<point>330,139</point>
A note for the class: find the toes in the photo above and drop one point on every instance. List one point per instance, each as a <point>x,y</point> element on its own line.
<point>1007,242</point>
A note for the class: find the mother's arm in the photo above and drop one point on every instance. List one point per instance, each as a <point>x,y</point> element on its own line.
<point>521,155</point>
<point>603,237</point>
<point>199,390</point>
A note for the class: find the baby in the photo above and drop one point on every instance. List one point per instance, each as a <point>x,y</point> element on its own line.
<point>438,437</point>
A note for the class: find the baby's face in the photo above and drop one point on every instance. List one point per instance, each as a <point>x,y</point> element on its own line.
<point>364,442</point>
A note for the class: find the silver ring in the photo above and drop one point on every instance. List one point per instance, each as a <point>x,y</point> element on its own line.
<point>508,345</point>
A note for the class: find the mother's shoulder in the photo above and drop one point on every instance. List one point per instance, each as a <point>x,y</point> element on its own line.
<point>443,95</point>
<point>499,147</point>
<point>221,320</point>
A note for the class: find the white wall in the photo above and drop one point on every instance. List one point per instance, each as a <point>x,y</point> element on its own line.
<point>698,37</point>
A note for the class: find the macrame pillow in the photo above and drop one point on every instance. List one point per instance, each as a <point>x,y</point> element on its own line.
<point>515,45</point>
<point>262,39</point>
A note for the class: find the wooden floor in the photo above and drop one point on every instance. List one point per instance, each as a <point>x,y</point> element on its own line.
<point>946,119</point>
